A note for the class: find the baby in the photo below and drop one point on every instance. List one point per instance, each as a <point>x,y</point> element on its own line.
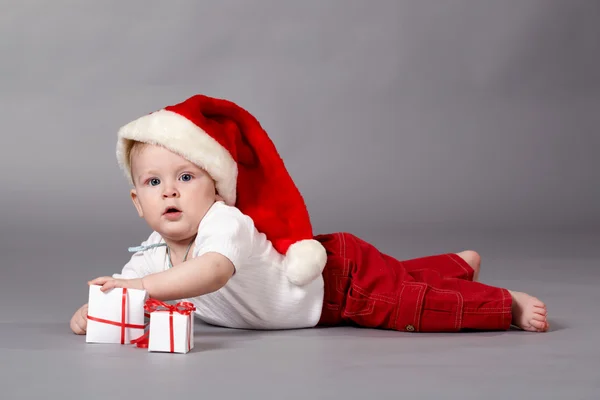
<point>232,235</point>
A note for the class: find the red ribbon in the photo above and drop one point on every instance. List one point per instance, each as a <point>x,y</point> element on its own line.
<point>183,308</point>
<point>122,324</point>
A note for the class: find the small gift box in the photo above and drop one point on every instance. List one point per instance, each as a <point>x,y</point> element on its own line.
<point>171,327</point>
<point>115,316</point>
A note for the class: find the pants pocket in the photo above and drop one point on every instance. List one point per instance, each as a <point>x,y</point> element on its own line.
<point>336,284</point>
<point>442,310</point>
<point>360,309</point>
<point>357,304</point>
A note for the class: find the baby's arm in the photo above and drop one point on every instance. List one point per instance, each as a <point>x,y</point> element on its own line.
<point>223,244</point>
<point>201,275</point>
<point>196,277</point>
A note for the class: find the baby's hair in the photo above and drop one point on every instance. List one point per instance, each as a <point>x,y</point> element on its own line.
<point>136,148</point>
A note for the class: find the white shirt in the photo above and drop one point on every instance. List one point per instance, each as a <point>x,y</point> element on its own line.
<point>259,295</point>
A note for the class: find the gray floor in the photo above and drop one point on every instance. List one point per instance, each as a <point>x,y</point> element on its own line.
<point>40,357</point>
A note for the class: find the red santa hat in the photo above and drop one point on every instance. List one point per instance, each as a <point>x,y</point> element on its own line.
<point>230,144</point>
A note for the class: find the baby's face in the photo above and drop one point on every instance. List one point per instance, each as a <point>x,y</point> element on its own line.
<point>170,193</point>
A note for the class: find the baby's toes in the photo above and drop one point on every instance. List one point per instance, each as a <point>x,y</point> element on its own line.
<point>537,303</point>
<point>540,311</point>
<point>538,317</point>
<point>529,328</point>
<point>537,324</point>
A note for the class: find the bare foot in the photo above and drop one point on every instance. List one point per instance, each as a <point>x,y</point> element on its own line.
<point>473,259</point>
<point>529,313</point>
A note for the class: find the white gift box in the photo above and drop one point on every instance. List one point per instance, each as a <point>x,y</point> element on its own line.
<point>171,330</point>
<point>115,316</point>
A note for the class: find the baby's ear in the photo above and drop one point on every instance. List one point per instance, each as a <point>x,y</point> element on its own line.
<point>136,203</point>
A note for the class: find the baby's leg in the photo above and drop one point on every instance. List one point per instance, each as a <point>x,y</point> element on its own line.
<point>481,306</point>
<point>431,294</point>
<point>366,287</point>
<point>529,313</point>
<point>463,265</point>
<point>474,260</point>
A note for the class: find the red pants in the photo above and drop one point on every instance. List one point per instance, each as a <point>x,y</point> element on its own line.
<point>366,288</point>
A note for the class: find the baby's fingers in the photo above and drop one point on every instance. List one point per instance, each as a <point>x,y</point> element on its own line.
<point>77,325</point>
<point>111,284</point>
<point>83,311</point>
<point>100,280</point>
<point>81,327</point>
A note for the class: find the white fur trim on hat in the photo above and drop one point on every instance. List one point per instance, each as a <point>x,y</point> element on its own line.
<point>182,136</point>
<point>304,261</point>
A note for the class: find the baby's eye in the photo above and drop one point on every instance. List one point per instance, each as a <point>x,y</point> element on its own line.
<point>186,177</point>
<point>154,181</point>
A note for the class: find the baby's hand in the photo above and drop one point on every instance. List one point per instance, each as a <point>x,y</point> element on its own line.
<point>79,320</point>
<point>108,283</point>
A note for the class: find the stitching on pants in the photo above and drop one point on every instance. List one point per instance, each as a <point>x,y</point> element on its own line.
<point>459,264</point>
<point>503,305</point>
<point>398,307</point>
<point>458,318</point>
<point>387,299</point>
<point>367,311</point>
<point>417,315</point>
<point>438,273</point>
<point>343,247</point>
<point>459,312</point>
<point>419,305</point>
<point>489,312</point>
<point>338,288</point>
<point>346,264</point>
<point>424,269</point>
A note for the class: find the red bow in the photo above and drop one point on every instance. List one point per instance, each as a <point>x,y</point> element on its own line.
<point>122,324</point>
<point>183,308</point>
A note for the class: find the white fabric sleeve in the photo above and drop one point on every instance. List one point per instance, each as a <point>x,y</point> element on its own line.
<point>142,262</point>
<point>226,231</point>
<point>135,267</point>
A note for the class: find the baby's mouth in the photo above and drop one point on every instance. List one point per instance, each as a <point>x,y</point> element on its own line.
<point>172,210</point>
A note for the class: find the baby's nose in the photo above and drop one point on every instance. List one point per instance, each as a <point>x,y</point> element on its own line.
<point>170,193</point>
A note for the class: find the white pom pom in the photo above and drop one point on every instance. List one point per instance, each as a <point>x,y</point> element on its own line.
<point>304,261</point>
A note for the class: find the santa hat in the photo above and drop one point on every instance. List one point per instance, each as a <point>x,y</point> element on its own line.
<point>230,145</point>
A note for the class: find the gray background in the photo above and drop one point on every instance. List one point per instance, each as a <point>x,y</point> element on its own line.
<point>422,126</point>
